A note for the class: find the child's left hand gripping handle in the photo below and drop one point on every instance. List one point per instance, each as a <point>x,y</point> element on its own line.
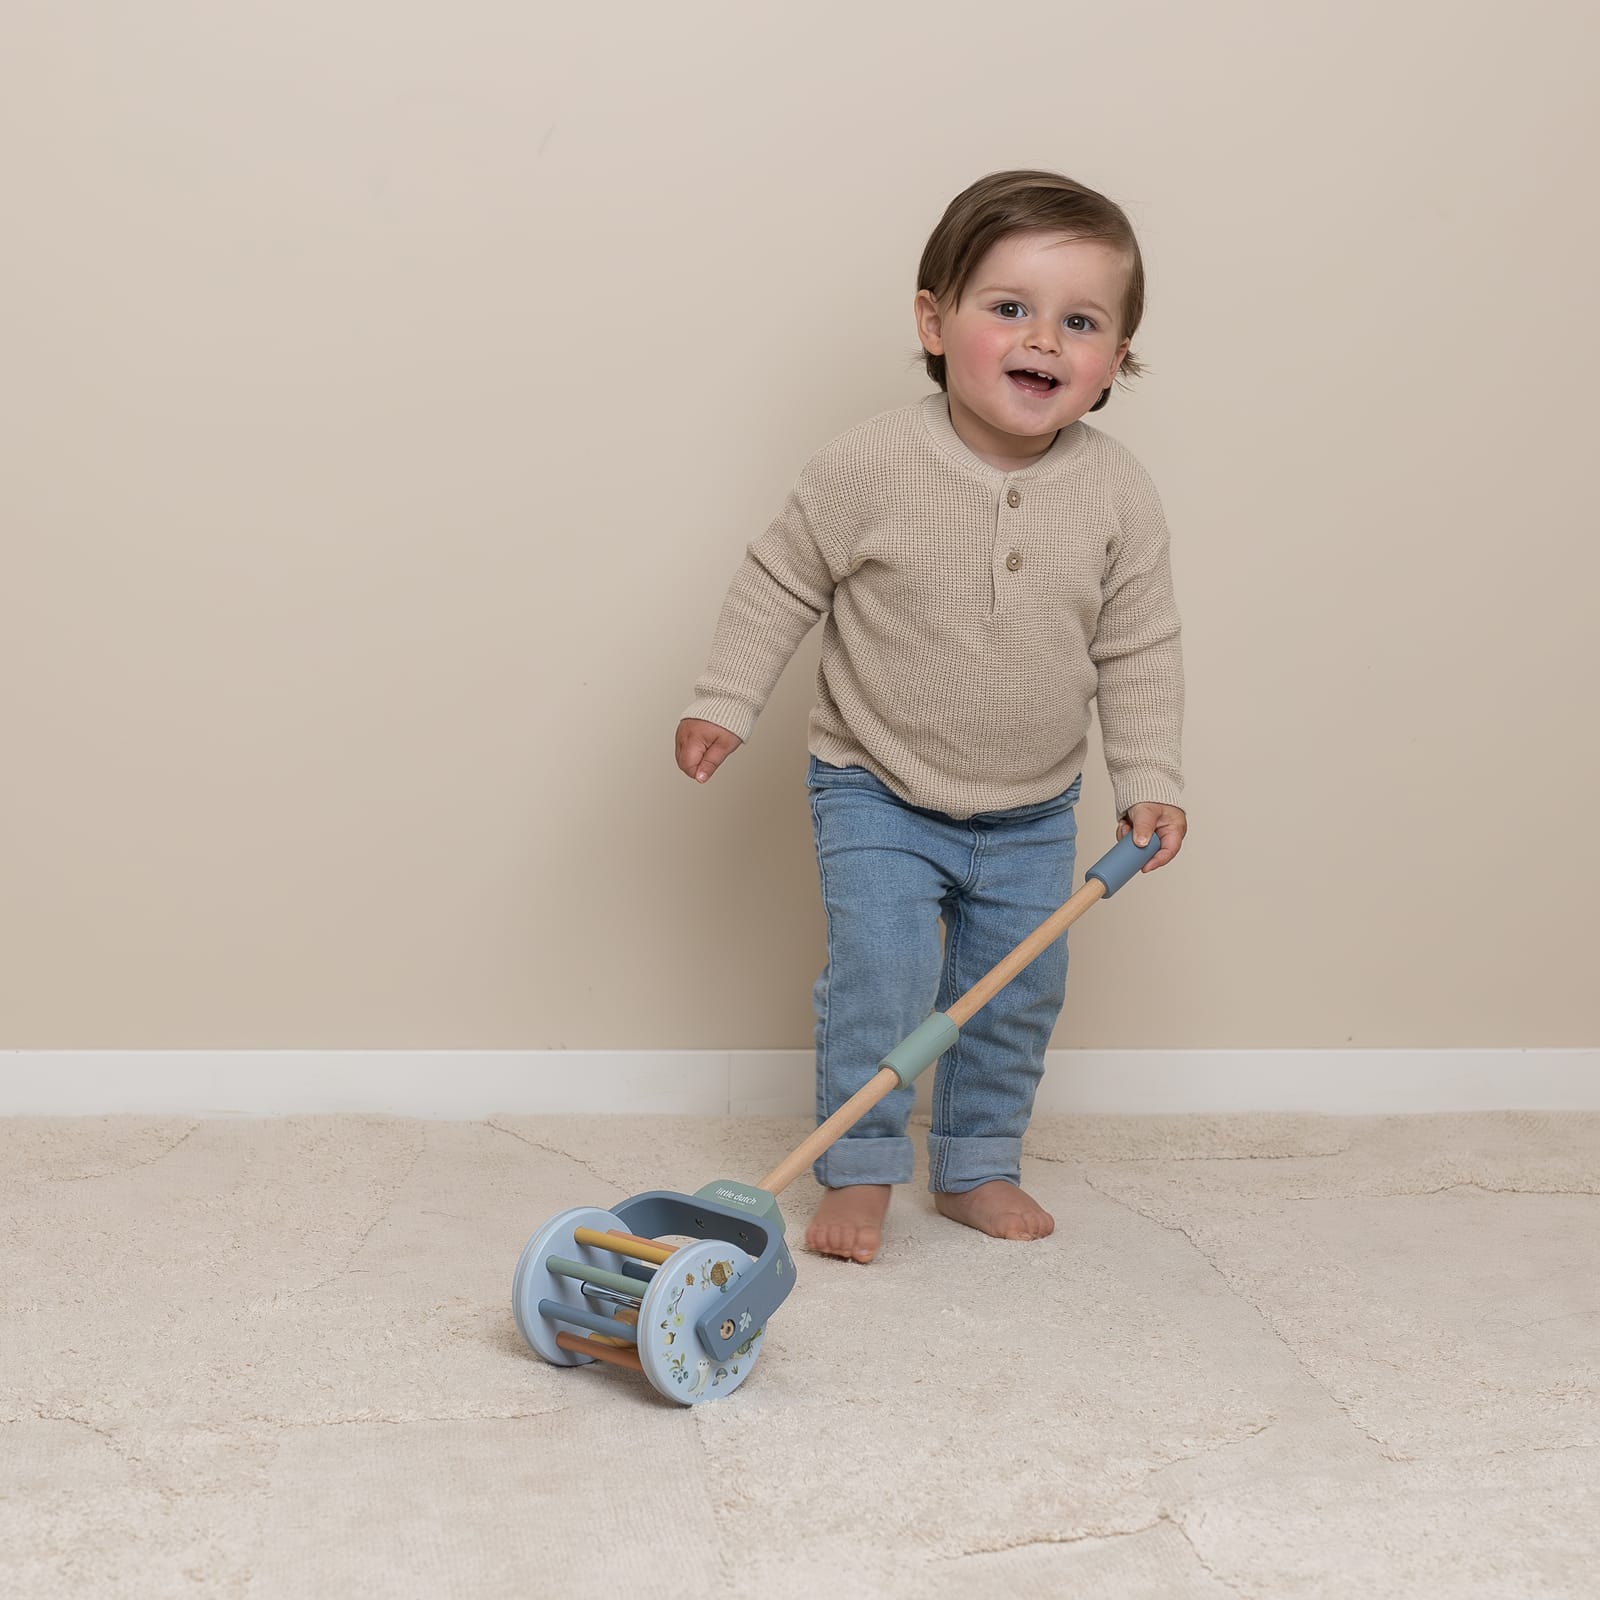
<point>1120,863</point>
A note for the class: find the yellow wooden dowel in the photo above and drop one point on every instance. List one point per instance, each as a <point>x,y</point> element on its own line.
<point>655,1244</point>
<point>624,1244</point>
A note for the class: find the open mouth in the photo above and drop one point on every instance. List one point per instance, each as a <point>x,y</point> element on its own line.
<point>1031,382</point>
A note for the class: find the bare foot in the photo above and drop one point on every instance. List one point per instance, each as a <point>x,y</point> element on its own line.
<point>998,1208</point>
<point>849,1222</point>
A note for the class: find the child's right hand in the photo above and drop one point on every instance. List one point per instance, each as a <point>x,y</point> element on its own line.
<point>702,747</point>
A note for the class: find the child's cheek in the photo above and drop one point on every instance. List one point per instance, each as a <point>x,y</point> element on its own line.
<point>985,348</point>
<point>997,343</point>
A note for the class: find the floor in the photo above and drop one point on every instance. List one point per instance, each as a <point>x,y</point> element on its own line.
<point>1264,1356</point>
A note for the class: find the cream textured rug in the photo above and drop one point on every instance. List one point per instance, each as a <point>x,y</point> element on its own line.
<point>1264,1356</point>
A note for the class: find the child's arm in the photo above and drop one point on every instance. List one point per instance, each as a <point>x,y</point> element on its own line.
<point>1139,661</point>
<point>781,591</point>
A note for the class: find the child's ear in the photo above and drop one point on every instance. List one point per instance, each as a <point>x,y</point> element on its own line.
<point>1121,356</point>
<point>930,327</point>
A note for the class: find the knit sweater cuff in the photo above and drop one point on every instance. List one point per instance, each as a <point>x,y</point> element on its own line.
<point>1144,785</point>
<point>737,716</point>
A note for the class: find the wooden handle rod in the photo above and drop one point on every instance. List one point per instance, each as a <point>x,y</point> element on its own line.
<point>1005,969</point>
<point>886,1080</point>
<point>845,1118</point>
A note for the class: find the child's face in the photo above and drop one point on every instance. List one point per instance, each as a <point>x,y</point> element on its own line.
<point>1042,303</point>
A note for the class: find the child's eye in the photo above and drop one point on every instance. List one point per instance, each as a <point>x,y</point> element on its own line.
<point>1009,309</point>
<point>1077,316</point>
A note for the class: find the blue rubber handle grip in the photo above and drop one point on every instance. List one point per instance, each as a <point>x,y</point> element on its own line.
<point>1121,862</point>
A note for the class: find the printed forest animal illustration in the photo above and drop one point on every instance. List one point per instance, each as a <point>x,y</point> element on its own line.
<point>680,1372</point>
<point>674,1317</point>
<point>719,1273</point>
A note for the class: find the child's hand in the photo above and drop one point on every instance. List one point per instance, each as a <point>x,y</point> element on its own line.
<point>703,747</point>
<point>1144,819</point>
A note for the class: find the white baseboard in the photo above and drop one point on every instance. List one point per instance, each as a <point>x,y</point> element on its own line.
<point>471,1084</point>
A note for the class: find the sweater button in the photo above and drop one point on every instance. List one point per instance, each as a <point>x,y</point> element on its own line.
<point>1013,561</point>
<point>1013,498</point>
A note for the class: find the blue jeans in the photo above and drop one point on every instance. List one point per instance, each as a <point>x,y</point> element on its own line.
<point>889,872</point>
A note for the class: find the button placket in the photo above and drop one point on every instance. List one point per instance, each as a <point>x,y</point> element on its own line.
<point>1013,557</point>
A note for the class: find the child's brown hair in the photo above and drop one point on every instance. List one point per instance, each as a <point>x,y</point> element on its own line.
<point>1027,201</point>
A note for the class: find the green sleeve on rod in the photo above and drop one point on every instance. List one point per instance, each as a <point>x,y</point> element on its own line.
<point>921,1047</point>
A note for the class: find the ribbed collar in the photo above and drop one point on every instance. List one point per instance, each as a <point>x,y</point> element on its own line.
<point>936,416</point>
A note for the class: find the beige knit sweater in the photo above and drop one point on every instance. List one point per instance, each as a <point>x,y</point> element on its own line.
<point>972,615</point>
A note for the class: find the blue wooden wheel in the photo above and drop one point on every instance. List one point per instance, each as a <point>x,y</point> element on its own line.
<point>694,1277</point>
<point>533,1281</point>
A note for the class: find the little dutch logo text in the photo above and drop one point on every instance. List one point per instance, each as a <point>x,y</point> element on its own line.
<point>733,1194</point>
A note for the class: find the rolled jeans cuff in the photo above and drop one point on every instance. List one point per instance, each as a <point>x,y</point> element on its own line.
<point>956,1165</point>
<point>849,1161</point>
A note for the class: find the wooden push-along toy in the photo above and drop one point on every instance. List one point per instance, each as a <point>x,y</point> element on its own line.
<point>680,1287</point>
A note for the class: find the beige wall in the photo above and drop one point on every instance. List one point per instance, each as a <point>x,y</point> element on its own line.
<point>390,392</point>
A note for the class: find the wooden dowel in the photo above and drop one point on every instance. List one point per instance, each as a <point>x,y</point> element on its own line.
<point>599,1325</point>
<point>624,1244</point>
<point>609,1353</point>
<point>637,1238</point>
<point>616,1282</point>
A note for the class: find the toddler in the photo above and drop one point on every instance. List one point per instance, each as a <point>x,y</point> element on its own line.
<point>987,564</point>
